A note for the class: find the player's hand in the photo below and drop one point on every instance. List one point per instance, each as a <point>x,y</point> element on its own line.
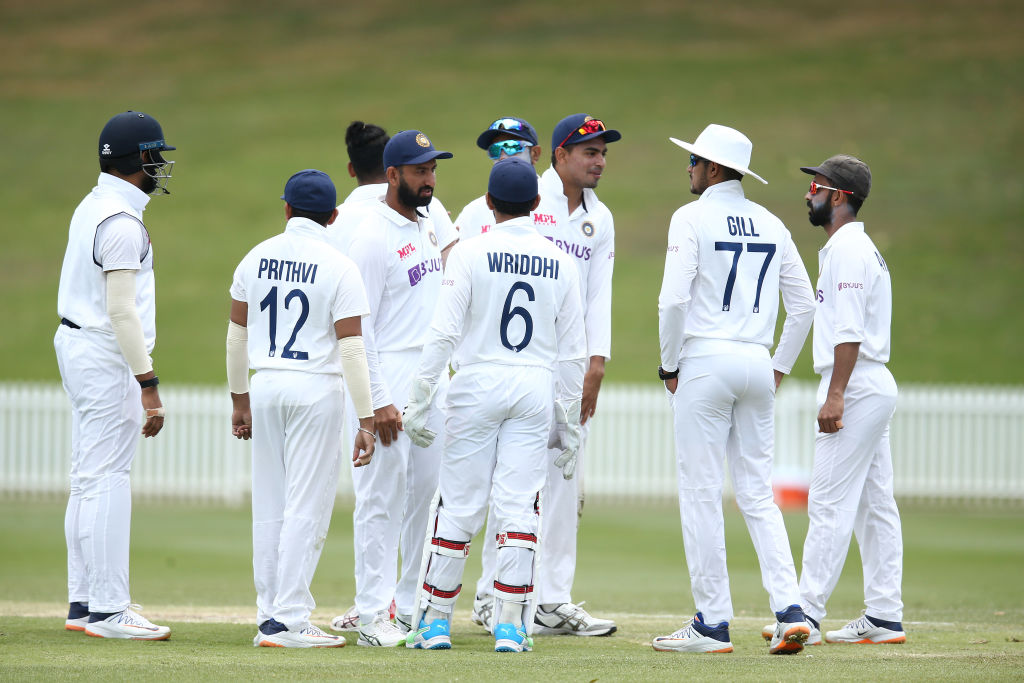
<point>153,418</point>
<point>418,412</point>
<point>362,452</point>
<point>830,417</point>
<point>591,386</point>
<point>387,422</point>
<point>671,385</point>
<point>241,416</point>
<point>778,379</point>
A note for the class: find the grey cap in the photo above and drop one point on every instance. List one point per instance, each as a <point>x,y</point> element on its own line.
<point>846,172</point>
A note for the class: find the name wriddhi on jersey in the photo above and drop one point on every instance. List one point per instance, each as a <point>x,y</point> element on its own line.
<point>289,271</point>
<point>522,264</point>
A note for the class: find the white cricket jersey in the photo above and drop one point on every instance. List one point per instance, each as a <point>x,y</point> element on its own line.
<point>508,297</point>
<point>296,286</point>
<point>350,213</point>
<point>107,234</point>
<point>587,236</point>
<point>854,298</point>
<point>727,261</point>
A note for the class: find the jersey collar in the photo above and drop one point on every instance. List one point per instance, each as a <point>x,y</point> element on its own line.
<point>551,186</point>
<point>135,197</point>
<point>842,233</point>
<point>305,228</point>
<point>726,188</point>
<point>365,193</point>
<point>386,211</point>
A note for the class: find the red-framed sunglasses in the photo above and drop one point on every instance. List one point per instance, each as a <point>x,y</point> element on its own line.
<point>588,127</point>
<point>815,187</point>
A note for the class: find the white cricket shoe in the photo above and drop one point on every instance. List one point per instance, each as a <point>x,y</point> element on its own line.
<point>403,622</point>
<point>483,609</point>
<point>311,636</point>
<point>813,635</point>
<point>696,637</point>
<point>127,624</point>
<point>571,619</point>
<point>78,616</point>
<point>349,621</point>
<point>791,632</point>
<point>380,632</point>
<point>863,631</point>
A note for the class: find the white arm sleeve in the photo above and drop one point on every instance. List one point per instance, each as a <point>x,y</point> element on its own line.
<point>124,318</point>
<point>597,309</point>
<point>572,345</point>
<point>674,301</point>
<point>367,250</point>
<point>357,374</point>
<point>238,358</point>
<point>798,300</point>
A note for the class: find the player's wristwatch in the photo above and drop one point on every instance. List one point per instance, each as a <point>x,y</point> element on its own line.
<point>151,382</point>
<point>662,375</point>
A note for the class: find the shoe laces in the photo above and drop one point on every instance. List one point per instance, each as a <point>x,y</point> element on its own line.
<point>861,623</point>
<point>314,631</point>
<point>130,615</point>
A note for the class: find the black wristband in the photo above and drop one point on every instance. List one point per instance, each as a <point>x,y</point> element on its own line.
<point>151,382</point>
<point>662,375</point>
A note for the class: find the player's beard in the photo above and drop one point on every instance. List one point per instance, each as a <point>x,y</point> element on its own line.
<point>148,183</point>
<point>820,214</point>
<point>412,199</point>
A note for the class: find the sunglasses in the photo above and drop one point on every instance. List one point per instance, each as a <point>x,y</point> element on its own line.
<point>694,159</point>
<point>588,127</point>
<point>815,187</point>
<point>507,124</point>
<point>509,148</point>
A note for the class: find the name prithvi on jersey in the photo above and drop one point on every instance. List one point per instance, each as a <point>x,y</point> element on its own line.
<point>289,271</point>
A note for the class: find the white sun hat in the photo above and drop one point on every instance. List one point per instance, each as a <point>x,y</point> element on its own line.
<point>723,145</point>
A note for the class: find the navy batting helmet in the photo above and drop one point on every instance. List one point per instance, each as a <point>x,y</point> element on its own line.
<point>126,136</point>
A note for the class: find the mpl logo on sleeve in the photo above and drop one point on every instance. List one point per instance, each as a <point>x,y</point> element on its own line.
<point>406,251</point>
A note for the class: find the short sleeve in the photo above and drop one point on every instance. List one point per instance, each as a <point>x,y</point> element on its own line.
<point>121,243</point>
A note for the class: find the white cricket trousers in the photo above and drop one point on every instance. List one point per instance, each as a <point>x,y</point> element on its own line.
<point>724,411</point>
<point>852,491</point>
<point>296,450</point>
<point>106,420</point>
<point>563,499</point>
<point>497,422</point>
<point>393,500</point>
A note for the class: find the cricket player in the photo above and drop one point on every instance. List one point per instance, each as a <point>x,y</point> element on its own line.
<point>727,261</point>
<point>365,143</point>
<point>572,217</point>
<point>397,250</point>
<point>296,317</point>
<point>107,307</point>
<point>852,480</point>
<point>510,308</point>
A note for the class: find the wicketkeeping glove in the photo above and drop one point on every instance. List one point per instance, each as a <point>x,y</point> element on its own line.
<point>567,418</point>
<point>414,419</point>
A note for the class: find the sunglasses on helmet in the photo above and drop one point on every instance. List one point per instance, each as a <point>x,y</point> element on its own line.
<point>507,124</point>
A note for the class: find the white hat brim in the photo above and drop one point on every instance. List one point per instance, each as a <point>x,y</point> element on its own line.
<point>711,156</point>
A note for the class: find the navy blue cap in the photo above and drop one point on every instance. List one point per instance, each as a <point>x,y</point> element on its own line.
<point>512,126</point>
<point>312,191</point>
<point>513,180</point>
<point>411,147</point>
<point>567,131</point>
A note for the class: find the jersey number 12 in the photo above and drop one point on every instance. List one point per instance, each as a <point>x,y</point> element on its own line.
<point>270,301</point>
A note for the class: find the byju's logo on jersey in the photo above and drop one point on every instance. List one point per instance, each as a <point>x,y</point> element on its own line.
<point>417,272</point>
<point>406,251</point>
<point>106,150</point>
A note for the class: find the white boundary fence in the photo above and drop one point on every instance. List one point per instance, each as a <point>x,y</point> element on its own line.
<point>949,443</point>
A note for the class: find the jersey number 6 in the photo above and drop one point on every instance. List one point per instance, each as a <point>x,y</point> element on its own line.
<point>270,301</point>
<point>509,313</point>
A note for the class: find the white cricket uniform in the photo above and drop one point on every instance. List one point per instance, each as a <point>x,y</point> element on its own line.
<point>588,238</point>
<point>400,261</point>
<point>350,213</point>
<point>510,302</point>
<point>296,287</point>
<point>852,480</point>
<point>106,234</point>
<point>727,261</point>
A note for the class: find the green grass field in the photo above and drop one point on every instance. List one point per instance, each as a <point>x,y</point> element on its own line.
<point>929,93</point>
<point>191,568</point>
